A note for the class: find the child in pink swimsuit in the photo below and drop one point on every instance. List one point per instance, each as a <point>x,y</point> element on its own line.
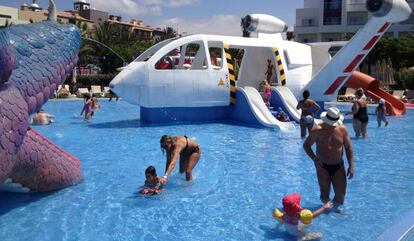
<point>267,89</point>
<point>296,219</point>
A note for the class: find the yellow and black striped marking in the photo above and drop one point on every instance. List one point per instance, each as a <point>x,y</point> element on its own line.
<point>232,76</point>
<point>280,66</point>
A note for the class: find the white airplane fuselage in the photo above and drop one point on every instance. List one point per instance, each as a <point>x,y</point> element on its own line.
<point>190,78</point>
<point>141,83</point>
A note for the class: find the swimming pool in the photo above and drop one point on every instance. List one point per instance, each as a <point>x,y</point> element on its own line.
<point>242,175</point>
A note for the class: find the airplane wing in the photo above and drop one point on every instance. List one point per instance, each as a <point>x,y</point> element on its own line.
<point>333,76</point>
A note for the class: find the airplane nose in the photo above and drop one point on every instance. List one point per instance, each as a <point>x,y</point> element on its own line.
<point>128,82</point>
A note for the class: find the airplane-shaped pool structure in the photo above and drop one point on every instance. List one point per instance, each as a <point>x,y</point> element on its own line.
<point>196,78</point>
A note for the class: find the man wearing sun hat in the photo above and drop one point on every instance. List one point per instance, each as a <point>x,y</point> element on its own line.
<point>331,137</point>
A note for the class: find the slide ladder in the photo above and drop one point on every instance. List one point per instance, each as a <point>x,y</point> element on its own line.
<point>371,88</point>
<point>251,109</point>
<point>282,97</point>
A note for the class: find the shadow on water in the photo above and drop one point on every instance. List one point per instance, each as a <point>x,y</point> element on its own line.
<point>10,201</point>
<point>275,233</point>
<point>137,123</point>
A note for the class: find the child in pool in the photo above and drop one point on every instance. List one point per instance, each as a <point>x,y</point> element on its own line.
<point>380,112</point>
<point>152,183</point>
<point>267,89</point>
<point>296,219</point>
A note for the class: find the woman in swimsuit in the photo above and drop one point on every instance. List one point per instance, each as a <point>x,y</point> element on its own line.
<point>360,111</point>
<point>183,147</point>
<point>308,107</point>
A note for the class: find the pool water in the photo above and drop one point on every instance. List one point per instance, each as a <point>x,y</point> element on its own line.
<point>242,175</point>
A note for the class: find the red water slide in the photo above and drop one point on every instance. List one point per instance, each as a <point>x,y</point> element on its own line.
<point>371,87</point>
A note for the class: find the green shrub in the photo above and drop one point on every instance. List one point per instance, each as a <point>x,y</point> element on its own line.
<point>87,81</point>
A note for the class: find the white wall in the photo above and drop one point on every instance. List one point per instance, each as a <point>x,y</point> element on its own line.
<point>254,66</point>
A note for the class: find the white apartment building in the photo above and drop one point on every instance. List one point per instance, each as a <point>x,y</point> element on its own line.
<point>9,15</point>
<point>336,20</point>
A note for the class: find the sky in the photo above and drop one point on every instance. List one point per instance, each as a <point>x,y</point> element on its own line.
<point>189,16</point>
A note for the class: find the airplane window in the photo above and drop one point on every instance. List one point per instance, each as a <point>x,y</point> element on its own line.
<point>216,54</point>
<point>168,61</point>
<point>190,56</point>
<point>195,57</point>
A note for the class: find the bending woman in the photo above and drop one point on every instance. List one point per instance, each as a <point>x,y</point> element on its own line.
<point>183,147</point>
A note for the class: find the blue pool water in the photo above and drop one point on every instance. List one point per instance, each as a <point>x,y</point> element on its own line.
<point>242,175</point>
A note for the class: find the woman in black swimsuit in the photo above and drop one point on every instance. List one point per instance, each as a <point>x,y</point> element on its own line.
<point>308,107</point>
<point>183,147</point>
<point>360,111</point>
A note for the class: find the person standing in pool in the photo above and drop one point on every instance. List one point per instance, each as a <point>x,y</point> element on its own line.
<point>269,71</point>
<point>181,147</point>
<point>380,111</point>
<point>360,111</point>
<point>331,137</point>
<point>309,107</point>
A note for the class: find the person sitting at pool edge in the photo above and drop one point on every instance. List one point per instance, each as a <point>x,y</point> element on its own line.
<point>180,146</point>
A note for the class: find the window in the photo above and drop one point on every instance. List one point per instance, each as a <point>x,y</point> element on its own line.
<point>356,20</point>
<point>332,12</point>
<point>194,57</point>
<point>190,56</point>
<point>308,22</point>
<point>216,54</point>
<point>5,16</point>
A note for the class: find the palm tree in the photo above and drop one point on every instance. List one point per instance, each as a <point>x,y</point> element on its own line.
<point>168,33</point>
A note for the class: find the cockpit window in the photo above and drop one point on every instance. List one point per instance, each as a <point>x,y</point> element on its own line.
<point>151,51</point>
<point>190,56</point>
<point>169,61</point>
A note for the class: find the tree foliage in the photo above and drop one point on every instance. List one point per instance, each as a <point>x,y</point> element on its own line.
<point>405,78</point>
<point>399,50</point>
<point>117,39</point>
<point>169,32</point>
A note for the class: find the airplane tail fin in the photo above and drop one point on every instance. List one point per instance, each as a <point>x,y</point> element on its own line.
<point>325,85</point>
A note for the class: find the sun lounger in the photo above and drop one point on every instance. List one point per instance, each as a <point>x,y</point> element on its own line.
<point>409,96</point>
<point>97,91</point>
<point>81,92</point>
<point>106,91</point>
<point>399,94</point>
<point>348,96</point>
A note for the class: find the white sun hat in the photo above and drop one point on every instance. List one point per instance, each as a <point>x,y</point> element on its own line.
<point>332,116</point>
